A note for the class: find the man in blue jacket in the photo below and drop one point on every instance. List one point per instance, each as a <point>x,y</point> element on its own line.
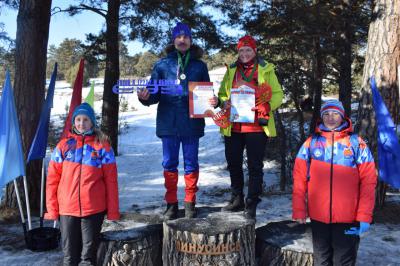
<point>174,126</point>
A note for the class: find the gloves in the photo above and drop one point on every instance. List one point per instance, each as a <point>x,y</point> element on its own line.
<point>358,230</point>
<point>364,227</point>
<point>263,113</point>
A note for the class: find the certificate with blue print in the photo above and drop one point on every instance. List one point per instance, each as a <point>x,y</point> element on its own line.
<point>242,101</point>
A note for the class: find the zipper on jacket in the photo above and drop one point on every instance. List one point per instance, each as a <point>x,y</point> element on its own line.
<point>79,179</point>
<point>331,177</point>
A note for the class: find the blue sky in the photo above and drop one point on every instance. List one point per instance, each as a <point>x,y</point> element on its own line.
<point>63,26</point>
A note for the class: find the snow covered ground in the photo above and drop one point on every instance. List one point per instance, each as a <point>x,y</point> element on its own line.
<point>141,187</point>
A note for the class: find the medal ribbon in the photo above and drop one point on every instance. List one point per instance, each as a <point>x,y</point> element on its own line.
<point>181,65</point>
<point>250,77</point>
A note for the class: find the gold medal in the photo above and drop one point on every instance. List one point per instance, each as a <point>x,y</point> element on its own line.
<point>182,76</point>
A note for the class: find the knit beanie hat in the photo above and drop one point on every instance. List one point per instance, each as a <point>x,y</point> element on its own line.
<point>247,41</point>
<point>181,29</point>
<point>334,106</point>
<point>84,109</point>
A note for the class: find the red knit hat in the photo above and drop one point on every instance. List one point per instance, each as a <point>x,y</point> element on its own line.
<point>247,41</point>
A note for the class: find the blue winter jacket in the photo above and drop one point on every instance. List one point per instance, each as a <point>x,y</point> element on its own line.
<point>173,110</point>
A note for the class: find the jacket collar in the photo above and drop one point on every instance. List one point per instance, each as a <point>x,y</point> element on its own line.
<point>195,51</point>
<point>341,132</point>
<point>73,135</point>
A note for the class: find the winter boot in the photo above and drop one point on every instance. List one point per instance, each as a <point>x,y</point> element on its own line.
<point>190,210</point>
<point>251,207</point>
<point>171,213</point>
<point>236,203</point>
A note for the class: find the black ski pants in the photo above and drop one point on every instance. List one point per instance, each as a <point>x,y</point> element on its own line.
<point>80,236</point>
<point>255,144</point>
<point>332,246</point>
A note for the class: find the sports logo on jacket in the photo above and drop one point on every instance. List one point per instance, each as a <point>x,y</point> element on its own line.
<point>94,155</point>
<point>317,152</point>
<point>347,152</point>
<point>70,155</point>
<point>95,159</point>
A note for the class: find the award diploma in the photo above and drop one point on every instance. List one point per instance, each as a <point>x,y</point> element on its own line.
<point>242,100</point>
<point>199,94</point>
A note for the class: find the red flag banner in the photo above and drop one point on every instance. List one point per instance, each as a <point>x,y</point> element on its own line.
<point>76,98</point>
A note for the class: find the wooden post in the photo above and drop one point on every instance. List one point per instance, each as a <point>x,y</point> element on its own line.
<point>220,239</point>
<point>284,243</point>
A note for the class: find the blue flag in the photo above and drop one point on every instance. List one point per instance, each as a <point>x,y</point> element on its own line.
<point>39,144</point>
<point>388,142</point>
<point>11,156</point>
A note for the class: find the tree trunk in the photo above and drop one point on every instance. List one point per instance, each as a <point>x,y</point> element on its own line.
<point>30,74</point>
<point>317,82</point>
<point>111,76</point>
<point>133,247</point>
<point>345,61</point>
<point>220,239</point>
<point>283,151</point>
<point>381,61</point>
<point>273,244</point>
<point>296,95</point>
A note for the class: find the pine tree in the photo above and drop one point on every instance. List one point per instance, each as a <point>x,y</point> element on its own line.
<point>148,21</point>
<point>311,43</point>
<point>382,60</point>
<point>30,72</point>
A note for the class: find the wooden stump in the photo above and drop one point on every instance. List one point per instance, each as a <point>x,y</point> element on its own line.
<point>284,243</point>
<point>137,246</point>
<point>220,239</point>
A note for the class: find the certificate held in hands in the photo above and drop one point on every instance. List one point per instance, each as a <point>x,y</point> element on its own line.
<point>242,100</point>
<point>199,94</point>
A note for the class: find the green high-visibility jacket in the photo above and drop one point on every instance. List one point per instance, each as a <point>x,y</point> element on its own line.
<point>266,73</point>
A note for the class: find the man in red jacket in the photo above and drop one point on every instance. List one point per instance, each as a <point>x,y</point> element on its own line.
<point>334,184</point>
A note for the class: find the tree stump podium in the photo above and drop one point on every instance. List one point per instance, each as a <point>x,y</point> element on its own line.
<point>132,247</point>
<point>284,243</point>
<point>220,239</point>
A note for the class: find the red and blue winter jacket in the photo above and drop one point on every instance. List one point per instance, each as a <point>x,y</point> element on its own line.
<point>82,179</point>
<point>341,184</point>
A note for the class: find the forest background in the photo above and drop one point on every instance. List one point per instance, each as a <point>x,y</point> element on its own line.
<point>319,48</point>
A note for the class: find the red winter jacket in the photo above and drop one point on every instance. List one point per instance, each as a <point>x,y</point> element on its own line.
<point>341,188</point>
<point>82,179</point>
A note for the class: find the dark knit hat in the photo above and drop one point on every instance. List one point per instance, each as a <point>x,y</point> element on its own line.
<point>334,106</point>
<point>247,41</point>
<point>84,109</point>
<point>181,29</point>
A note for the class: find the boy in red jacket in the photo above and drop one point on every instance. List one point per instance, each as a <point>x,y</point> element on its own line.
<point>334,184</point>
<point>82,187</point>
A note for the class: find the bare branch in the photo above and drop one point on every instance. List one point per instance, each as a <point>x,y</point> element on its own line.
<point>100,11</point>
<point>73,10</point>
<point>56,10</point>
